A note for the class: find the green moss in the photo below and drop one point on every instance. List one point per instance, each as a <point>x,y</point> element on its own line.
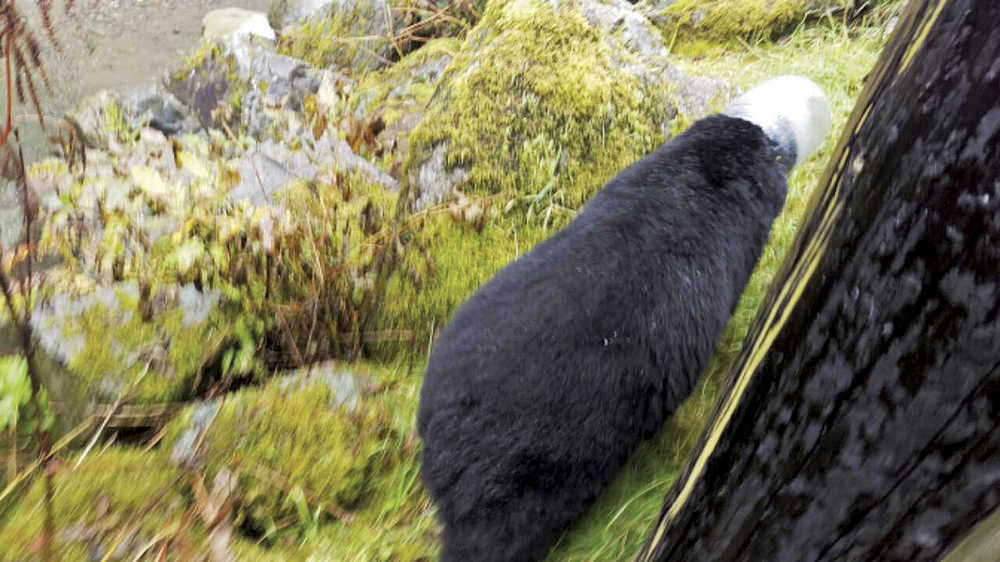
<point>531,85</point>
<point>445,261</point>
<point>698,27</point>
<point>700,23</point>
<point>357,470</point>
<point>98,503</point>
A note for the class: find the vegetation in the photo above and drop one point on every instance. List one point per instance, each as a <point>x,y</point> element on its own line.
<point>274,464</point>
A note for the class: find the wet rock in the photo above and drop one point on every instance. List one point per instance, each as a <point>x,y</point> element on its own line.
<point>154,106</point>
<point>207,88</point>
<point>183,452</point>
<point>275,82</point>
<point>242,82</point>
<point>391,103</point>
<point>435,180</point>
<point>235,21</point>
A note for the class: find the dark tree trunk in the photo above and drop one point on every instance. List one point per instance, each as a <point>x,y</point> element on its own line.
<point>862,418</point>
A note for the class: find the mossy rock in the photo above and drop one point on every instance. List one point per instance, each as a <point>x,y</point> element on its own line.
<point>353,34</point>
<point>107,499</point>
<point>119,342</point>
<point>535,95</point>
<point>206,80</point>
<point>294,442</point>
<point>694,27</point>
<point>397,96</point>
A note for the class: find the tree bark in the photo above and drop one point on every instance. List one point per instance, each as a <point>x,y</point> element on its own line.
<point>861,420</point>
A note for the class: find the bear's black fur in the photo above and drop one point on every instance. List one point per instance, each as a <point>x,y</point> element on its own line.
<point>547,378</point>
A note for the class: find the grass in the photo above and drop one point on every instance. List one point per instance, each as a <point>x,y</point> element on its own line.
<point>838,59</point>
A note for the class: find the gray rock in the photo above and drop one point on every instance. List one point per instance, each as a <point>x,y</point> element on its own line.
<point>269,83</point>
<point>373,20</point>
<point>11,216</point>
<point>365,27</point>
<point>146,106</point>
<point>287,12</point>
<point>91,115</point>
<point>276,82</point>
<point>348,387</point>
<point>626,28</point>
<point>154,106</point>
<point>235,21</point>
<point>183,453</point>
<point>269,166</point>
<point>433,181</point>
<point>414,77</point>
<point>638,48</point>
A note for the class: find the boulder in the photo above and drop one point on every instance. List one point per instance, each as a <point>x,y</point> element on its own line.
<point>700,25</point>
<point>283,13</point>
<point>391,102</point>
<point>240,82</point>
<point>235,21</point>
<point>270,166</point>
<point>354,34</point>
<point>108,337</point>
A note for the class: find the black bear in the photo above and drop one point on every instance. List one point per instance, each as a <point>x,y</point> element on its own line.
<point>548,377</point>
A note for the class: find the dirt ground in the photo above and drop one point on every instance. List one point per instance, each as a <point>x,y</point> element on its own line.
<point>120,43</point>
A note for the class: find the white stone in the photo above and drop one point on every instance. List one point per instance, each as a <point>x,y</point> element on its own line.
<point>225,22</point>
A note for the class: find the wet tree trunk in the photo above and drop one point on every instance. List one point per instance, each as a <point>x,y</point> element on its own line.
<point>863,417</point>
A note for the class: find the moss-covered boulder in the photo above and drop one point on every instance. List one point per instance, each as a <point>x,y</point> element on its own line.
<point>542,97</point>
<point>241,84</point>
<point>697,26</point>
<point>326,451</point>
<point>351,34</point>
<point>117,342</point>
